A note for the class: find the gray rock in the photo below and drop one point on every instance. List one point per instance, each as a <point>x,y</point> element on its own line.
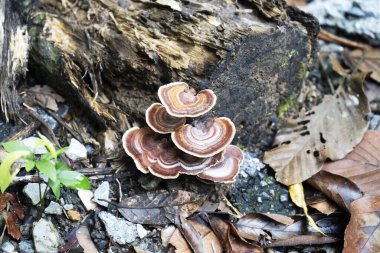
<point>45,236</point>
<point>263,183</point>
<point>259,199</point>
<point>25,247</point>
<point>54,208</point>
<point>141,231</point>
<point>166,234</point>
<point>102,192</point>
<point>120,230</point>
<point>374,122</point>
<point>250,165</point>
<point>7,247</point>
<point>76,151</point>
<point>32,192</point>
<point>68,207</point>
<point>284,197</point>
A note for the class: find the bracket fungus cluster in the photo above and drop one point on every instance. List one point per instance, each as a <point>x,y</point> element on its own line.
<point>170,147</point>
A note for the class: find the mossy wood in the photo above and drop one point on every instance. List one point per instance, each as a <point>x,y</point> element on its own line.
<point>109,57</point>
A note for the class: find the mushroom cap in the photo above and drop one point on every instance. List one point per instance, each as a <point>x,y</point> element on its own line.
<point>182,101</point>
<point>141,144</point>
<point>161,121</point>
<point>151,152</point>
<point>227,170</point>
<point>206,138</point>
<point>171,162</point>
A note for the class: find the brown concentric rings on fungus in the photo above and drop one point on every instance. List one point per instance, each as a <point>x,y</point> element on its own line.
<point>171,162</point>
<point>227,170</point>
<point>205,138</point>
<point>141,144</point>
<point>161,121</point>
<point>182,101</point>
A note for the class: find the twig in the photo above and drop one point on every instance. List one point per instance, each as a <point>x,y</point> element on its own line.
<point>25,132</point>
<point>228,203</point>
<point>66,126</point>
<point>302,240</point>
<point>48,129</point>
<point>26,179</point>
<point>326,36</point>
<point>327,76</point>
<point>120,191</point>
<point>96,171</point>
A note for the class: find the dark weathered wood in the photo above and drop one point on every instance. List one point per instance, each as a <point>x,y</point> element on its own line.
<point>13,58</point>
<point>108,57</point>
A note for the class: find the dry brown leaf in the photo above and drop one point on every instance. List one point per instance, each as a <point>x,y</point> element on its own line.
<point>230,238</point>
<point>256,225</point>
<point>179,242</point>
<point>363,232</point>
<point>84,239</point>
<point>12,227</point>
<point>362,165</point>
<point>322,204</point>
<point>336,187</point>
<point>365,60</point>
<point>329,130</point>
<point>46,96</point>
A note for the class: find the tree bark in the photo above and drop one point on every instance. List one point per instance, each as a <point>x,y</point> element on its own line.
<point>109,57</point>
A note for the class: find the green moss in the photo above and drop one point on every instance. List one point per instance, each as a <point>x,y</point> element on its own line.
<point>302,73</point>
<point>288,104</point>
<point>290,55</point>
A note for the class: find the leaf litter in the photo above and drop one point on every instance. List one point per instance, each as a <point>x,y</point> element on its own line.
<point>325,132</point>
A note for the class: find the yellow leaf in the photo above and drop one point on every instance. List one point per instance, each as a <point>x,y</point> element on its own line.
<point>298,198</point>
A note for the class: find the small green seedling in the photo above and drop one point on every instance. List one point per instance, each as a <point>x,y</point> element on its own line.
<point>48,164</point>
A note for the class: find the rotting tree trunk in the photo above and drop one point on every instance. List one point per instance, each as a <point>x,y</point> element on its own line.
<point>13,57</point>
<point>109,57</point>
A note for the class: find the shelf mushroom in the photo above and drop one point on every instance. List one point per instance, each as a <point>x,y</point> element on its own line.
<point>153,153</point>
<point>161,121</point>
<point>202,149</point>
<point>182,101</point>
<point>205,138</point>
<point>227,170</point>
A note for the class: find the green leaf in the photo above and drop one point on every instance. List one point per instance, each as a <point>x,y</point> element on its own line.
<point>12,146</point>
<point>5,168</point>
<point>46,156</point>
<point>59,165</point>
<point>29,165</point>
<point>49,145</point>
<point>55,187</point>
<point>73,180</point>
<point>62,150</point>
<point>47,167</point>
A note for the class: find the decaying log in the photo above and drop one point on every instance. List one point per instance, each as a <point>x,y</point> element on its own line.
<point>13,58</point>
<point>109,57</point>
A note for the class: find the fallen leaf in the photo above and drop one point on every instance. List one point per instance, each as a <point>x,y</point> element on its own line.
<point>363,231</point>
<point>84,239</point>
<point>322,204</point>
<point>230,238</point>
<point>329,130</point>
<point>179,242</point>
<point>154,207</point>
<point>280,227</point>
<point>297,195</point>
<point>12,227</point>
<point>365,60</point>
<point>303,240</point>
<point>362,165</point>
<point>199,235</point>
<point>336,187</point>
<point>46,96</point>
